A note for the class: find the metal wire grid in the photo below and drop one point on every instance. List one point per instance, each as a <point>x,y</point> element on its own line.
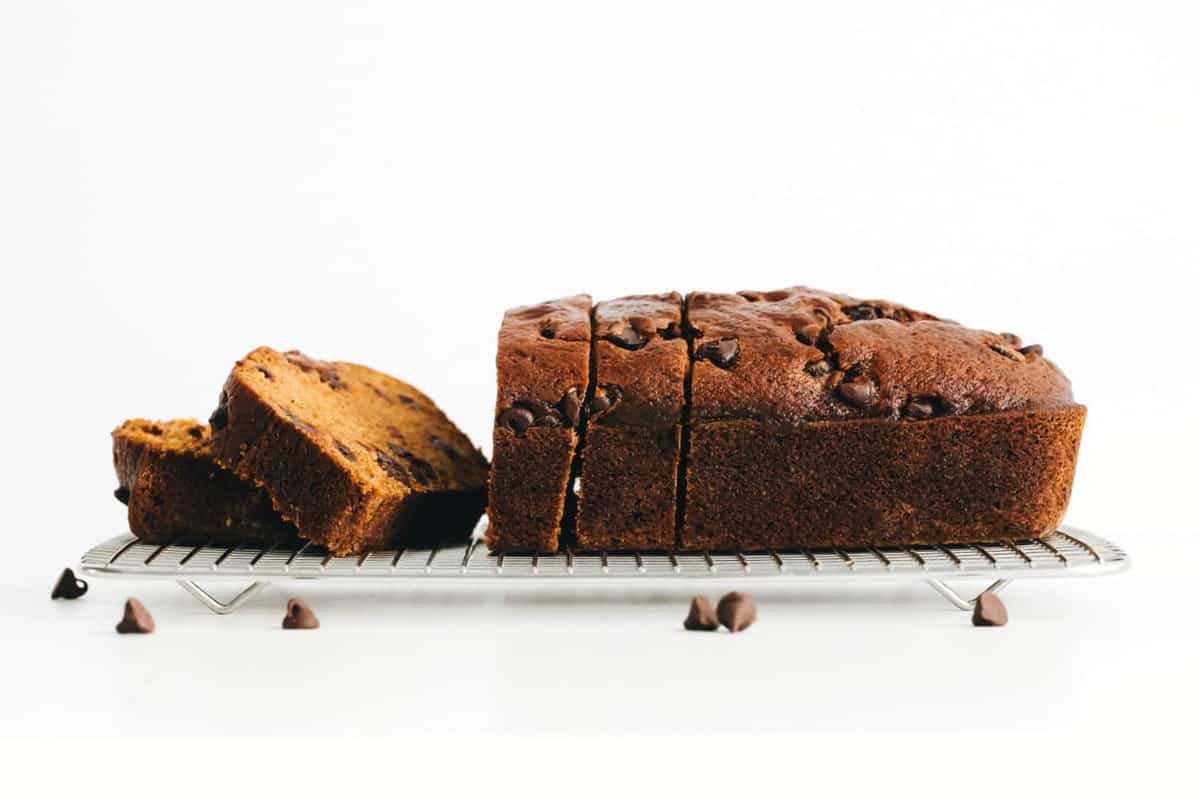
<point>1069,551</point>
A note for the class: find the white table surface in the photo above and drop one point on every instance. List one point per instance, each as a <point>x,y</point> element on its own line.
<point>823,657</point>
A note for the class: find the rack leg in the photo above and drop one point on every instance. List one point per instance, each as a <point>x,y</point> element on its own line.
<point>216,606</point>
<point>958,601</point>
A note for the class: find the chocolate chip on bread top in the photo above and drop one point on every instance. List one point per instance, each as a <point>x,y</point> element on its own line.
<point>806,418</point>
<point>542,369</point>
<point>176,492</point>
<point>354,458</point>
<point>631,450</point>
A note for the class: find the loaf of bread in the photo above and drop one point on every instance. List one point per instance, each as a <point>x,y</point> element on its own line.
<point>791,418</point>
<point>176,493</point>
<point>354,458</point>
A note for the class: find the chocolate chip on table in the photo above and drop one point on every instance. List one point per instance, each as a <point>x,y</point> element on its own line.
<point>136,619</point>
<point>1006,351</point>
<point>68,587</point>
<point>516,419</point>
<point>918,408</point>
<point>989,612</point>
<point>722,352</point>
<point>701,616</point>
<point>299,616</point>
<point>570,405</point>
<point>122,494</point>
<point>859,392</point>
<point>737,611</point>
<point>1031,350</point>
<point>628,338</point>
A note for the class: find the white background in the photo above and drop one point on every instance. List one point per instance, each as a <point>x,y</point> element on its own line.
<point>376,182</point>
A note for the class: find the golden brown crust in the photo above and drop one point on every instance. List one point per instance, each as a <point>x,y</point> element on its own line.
<point>353,457</point>
<point>176,492</point>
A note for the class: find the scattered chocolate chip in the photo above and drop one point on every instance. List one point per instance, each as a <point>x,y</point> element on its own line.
<point>299,423</point>
<point>722,352</point>
<point>299,616</point>
<point>445,447</point>
<point>408,401</point>
<point>819,368</point>
<point>155,430</point>
<point>122,494</point>
<point>196,432</point>
<point>859,392</point>
<point>1031,350</point>
<point>989,612</point>
<point>570,405</point>
<point>701,616</point>
<point>672,331</point>
<point>136,619</point>
<point>919,408</point>
<point>737,611</point>
<point>628,338</point>
<point>516,419</point>
<point>548,332</point>
<point>68,587</point>
<point>264,372</point>
<point>861,312</point>
<point>220,417</point>
<point>1006,351</point>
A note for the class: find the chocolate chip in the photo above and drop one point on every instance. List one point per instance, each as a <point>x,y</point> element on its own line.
<point>672,331</point>
<point>859,392</point>
<point>737,611</point>
<point>1031,350</point>
<point>445,447</point>
<point>628,338</point>
<point>325,370</point>
<point>220,417</point>
<point>1011,339</point>
<point>196,432</point>
<point>408,401</point>
<point>701,616</point>
<point>604,398</point>
<point>299,616</point>
<point>570,405</point>
<point>155,430</point>
<point>68,587</point>
<point>919,408</point>
<point>1006,351</point>
<point>989,612</point>
<point>345,450</point>
<point>264,372</point>
<point>819,368</point>
<point>548,332</point>
<point>516,419</point>
<point>722,352</point>
<point>861,312</point>
<point>299,423</point>
<point>136,619</point>
<point>122,494</point>
<point>417,469</point>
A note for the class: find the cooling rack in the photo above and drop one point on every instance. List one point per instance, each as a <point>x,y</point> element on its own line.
<point>1069,552</point>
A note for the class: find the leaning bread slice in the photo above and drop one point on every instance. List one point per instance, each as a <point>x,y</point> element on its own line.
<point>353,457</point>
<point>176,492</point>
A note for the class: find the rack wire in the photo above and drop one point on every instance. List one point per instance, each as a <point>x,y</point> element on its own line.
<point>1069,552</point>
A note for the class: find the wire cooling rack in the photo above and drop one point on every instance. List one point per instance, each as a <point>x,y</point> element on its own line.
<point>1069,552</point>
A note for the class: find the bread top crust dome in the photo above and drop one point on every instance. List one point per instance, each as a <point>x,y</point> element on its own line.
<point>796,355</point>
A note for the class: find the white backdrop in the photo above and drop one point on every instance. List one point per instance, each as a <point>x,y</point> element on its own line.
<point>377,181</point>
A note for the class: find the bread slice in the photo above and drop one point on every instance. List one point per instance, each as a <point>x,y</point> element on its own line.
<point>354,458</point>
<point>631,448</point>
<point>176,492</point>
<point>541,388</point>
